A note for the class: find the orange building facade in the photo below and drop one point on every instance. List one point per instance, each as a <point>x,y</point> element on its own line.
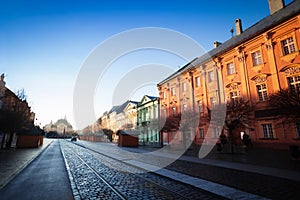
<point>252,65</point>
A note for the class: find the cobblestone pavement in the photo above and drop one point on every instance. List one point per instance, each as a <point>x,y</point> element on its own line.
<point>90,171</point>
<point>264,185</point>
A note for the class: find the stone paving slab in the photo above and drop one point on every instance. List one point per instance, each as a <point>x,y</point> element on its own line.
<point>215,188</point>
<point>14,160</point>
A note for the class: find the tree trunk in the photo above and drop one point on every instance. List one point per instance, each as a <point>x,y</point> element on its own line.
<point>8,143</point>
<point>231,141</point>
<point>3,140</point>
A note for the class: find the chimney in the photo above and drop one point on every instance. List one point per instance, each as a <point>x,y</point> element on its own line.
<point>275,5</point>
<point>238,27</point>
<point>216,44</point>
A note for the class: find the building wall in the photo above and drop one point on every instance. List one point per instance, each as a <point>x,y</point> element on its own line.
<point>268,72</point>
<point>148,121</point>
<point>130,116</point>
<point>252,71</point>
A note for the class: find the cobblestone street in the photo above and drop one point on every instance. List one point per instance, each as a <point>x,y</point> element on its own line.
<point>97,176</point>
<point>271,185</point>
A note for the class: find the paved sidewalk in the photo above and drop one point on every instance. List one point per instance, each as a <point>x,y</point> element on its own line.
<point>45,177</point>
<point>14,160</point>
<point>210,174</point>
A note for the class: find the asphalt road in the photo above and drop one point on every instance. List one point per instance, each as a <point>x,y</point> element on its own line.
<point>44,178</point>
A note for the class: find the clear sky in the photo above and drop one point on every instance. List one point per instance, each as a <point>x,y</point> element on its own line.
<point>43,44</point>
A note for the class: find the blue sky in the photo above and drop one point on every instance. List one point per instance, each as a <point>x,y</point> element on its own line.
<point>44,43</point>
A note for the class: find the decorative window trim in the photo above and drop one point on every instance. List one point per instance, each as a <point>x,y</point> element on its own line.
<point>291,70</point>
<point>260,78</point>
<point>233,86</point>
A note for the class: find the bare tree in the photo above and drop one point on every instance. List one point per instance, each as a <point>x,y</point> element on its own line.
<point>108,133</point>
<point>171,123</point>
<point>287,103</point>
<point>21,94</point>
<point>237,114</point>
<point>14,118</point>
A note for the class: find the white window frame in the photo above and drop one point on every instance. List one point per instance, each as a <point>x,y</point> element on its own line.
<point>184,89</point>
<point>173,92</point>
<point>230,68</point>
<point>184,107</point>
<point>216,133</point>
<point>173,111</point>
<point>197,80</point>
<point>201,133</point>
<point>200,109</point>
<point>288,46</point>
<point>294,83</point>
<point>210,76</point>
<point>267,130</point>
<point>262,92</point>
<point>213,101</point>
<point>234,96</point>
<point>256,58</point>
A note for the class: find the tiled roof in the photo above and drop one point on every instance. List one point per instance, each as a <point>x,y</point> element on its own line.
<point>151,97</point>
<point>122,107</point>
<point>263,25</point>
<point>134,102</point>
<point>114,108</point>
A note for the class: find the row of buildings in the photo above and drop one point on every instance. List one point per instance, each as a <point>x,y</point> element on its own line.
<point>138,118</point>
<point>249,67</point>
